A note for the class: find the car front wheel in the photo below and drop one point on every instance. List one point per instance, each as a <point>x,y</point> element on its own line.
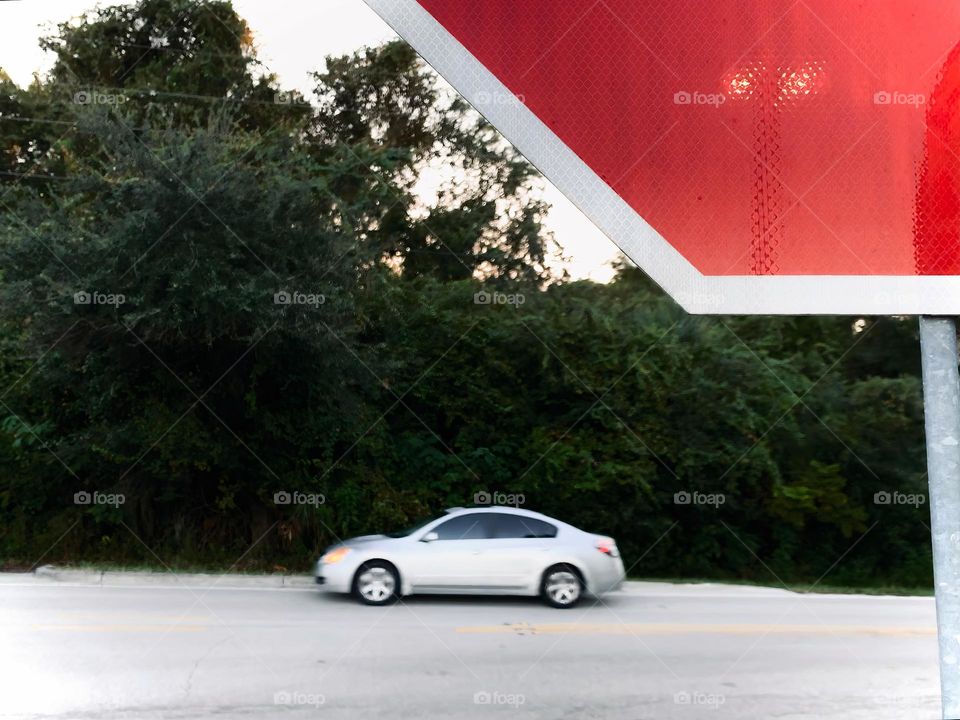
<point>561,586</point>
<point>376,583</point>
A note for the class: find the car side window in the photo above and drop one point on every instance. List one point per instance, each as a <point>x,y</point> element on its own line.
<point>518,526</point>
<point>463,527</point>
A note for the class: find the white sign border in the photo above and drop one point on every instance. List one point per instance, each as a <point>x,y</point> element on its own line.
<point>695,292</point>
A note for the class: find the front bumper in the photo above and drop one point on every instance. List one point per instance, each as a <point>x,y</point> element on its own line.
<point>335,577</point>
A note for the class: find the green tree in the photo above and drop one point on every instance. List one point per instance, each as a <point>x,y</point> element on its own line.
<point>384,109</point>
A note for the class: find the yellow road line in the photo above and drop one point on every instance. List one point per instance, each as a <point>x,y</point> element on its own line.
<point>132,618</point>
<point>122,628</point>
<point>695,629</point>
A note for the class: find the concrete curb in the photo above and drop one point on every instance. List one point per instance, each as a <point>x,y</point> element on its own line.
<point>120,578</point>
<point>644,588</point>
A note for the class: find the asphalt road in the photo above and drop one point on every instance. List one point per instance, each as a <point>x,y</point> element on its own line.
<point>651,651</point>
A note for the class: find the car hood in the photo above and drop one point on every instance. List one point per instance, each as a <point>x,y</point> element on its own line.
<point>356,542</point>
<point>363,539</point>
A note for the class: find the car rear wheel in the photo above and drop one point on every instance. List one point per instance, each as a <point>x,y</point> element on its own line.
<point>376,583</point>
<point>561,586</point>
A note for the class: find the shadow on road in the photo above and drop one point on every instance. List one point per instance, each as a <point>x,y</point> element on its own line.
<point>463,601</point>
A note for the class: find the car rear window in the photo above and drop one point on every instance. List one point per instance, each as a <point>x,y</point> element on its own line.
<point>503,525</point>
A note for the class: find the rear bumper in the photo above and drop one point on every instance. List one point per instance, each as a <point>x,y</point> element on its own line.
<point>606,576</point>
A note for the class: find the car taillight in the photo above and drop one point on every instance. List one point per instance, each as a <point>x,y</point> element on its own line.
<point>608,547</point>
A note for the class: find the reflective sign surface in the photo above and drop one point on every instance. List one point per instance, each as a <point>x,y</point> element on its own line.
<point>819,137</point>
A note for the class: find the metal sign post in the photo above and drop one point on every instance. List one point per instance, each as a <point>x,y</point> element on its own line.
<point>941,405</point>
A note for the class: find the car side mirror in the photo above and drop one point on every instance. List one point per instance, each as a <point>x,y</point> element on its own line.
<point>430,537</point>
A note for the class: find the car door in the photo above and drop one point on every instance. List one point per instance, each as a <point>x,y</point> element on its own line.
<point>454,561</point>
<point>518,550</point>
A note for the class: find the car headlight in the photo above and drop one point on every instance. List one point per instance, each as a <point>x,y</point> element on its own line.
<point>335,556</point>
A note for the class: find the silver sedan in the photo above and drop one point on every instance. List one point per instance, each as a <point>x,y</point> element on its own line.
<point>483,551</point>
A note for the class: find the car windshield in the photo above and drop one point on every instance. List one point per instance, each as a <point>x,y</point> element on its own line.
<point>410,530</point>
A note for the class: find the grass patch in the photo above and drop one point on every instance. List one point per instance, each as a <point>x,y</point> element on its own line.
<point>178,567</point>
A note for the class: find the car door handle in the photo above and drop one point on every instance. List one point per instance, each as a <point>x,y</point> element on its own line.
<point>476,552</point>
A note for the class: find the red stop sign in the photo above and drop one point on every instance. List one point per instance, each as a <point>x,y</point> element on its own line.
<point>753,156</point>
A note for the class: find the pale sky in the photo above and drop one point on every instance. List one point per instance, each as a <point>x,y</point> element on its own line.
<point>292,38</point>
